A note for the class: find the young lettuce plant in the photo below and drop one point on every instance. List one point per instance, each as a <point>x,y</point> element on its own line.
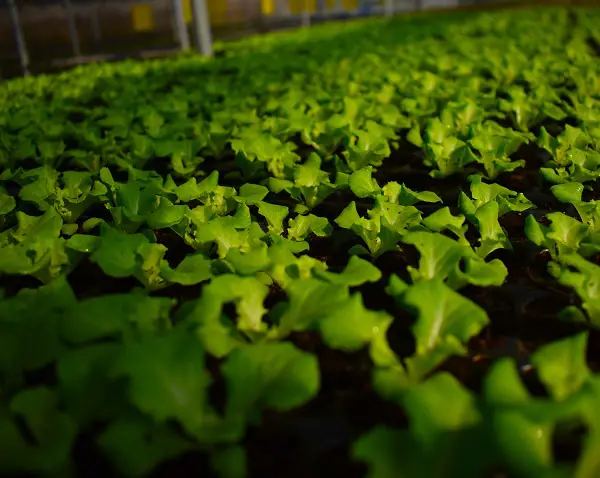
<point>441,329</point>
<point>71,193</point>
<point>563,236</point>
<point>444,151</point>
<point>310,185</point>
<point>369,146</point>
<point>566,235</point>
<point>489,202</point>
<point>35,247</point>
<point>142,200</point>
<point>589,213</point>
<point>324,303</point>
<point>224,218</point>
<point>495,144</point>
<point>583,276</point>
<point>119,254</point>
<point>572,160</point>
<point>377,233</point>
<point>506,407</point>
<point>526,110</point>
<point>257,150</point>
<point>392,214</point>
<point>452,262</point>
<point>460,114</point>
<point>237,231</point>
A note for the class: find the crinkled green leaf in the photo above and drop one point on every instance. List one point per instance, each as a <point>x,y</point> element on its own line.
<point>230,462</point>
<point>302,226</point>
<point>167,379</point>
<point>115,316</point>
<point>52,434</point>
<point>310,300</point>
<point>362,184</point>
<point>442,220</point>
<point>562,365</point>
<point>568,192</point>
<point>274,214</point>
<point>441,313</point>
<point>251,193</point>
<point>147,444</point>
<point>357,272</point>
<point>194,268</point>
<point>271,375</point>
<point>352,326</point>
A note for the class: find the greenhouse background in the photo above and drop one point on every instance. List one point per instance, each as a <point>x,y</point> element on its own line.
<point>48,35</point>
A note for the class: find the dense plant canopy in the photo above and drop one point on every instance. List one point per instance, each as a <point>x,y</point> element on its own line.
<point>370,247</point>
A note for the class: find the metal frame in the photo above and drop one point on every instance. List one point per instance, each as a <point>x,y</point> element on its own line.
<point>19,37</point>
<point>72,24</point>
<point>202,28</point>
<point>95,25</point>
<point>183,35</point>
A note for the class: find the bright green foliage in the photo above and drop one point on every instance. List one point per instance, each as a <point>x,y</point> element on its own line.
<point>443,417</point>
<point>148,444</point>
<point>572,160</point>
<point>450,317</point>
<point>167,379</point>
<point>357,272</point>
<point>352,326</point>
<point>276,376</point>
<point>584,277</point>
<point>52,430</point>
<point>488,203</point>
<point>562,366</point>
<point>190,246</point>
<point>441,258</point>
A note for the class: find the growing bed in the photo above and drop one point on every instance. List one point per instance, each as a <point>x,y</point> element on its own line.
<point>361,249</point>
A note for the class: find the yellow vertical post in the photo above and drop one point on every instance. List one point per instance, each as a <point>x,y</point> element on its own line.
<point>267,7</point>
<point>350,5</point>
<point>301,6</point>
<point>188,13</point>
<point>142,17</point>
<point>217,10</point>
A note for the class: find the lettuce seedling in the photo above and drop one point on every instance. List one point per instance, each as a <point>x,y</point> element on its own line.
<point>310,184</point>
<point>377,233</point>
<point>35,247</point>
<point>526,110</point>
<point>442,327</point>
<point>572,270</point>
<point>461,114</point>
<point>562,365</point>
<point>457,264</point>
<point>119,254</point>
<point>71,193</point>
<point>444,151</point>
<point>488,203</point>
<point>495,145</point>
<point>444,417</point>
<point>274,376</point>
<point>562,237</point>
<point>257,150</point>
<point>301,227</point>
<point>572,160</point>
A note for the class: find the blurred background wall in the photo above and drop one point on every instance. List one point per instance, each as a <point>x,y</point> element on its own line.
<point>132,27</point>
<point>111,29</point>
